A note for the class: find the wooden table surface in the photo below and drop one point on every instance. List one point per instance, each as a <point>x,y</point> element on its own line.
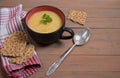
<point>99,58</point>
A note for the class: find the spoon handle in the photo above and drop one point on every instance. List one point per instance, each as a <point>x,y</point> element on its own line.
<point>56,64</point>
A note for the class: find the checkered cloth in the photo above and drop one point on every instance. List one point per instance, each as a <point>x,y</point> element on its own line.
<point>10,21</point>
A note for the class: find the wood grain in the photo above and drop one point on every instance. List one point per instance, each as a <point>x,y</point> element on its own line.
<point>99,58</point>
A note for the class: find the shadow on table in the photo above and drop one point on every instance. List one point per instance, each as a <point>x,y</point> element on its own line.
<point>2,72</point>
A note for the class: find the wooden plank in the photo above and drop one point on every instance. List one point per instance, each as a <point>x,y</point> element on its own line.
<point>97,17</point>
<point>66,3</point>
<point>78,74</point>
<point>94,12</point>
<point>83,63</point>
<point>97,22</point>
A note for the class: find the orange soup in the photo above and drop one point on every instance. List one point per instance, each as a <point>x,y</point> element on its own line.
<point>37,22</point>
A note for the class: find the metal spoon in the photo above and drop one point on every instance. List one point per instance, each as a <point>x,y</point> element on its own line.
<point>79,39</point>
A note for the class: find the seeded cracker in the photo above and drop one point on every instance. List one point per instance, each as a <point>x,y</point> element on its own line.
<point>15,47</point>
<point>28,52</point>
<point>14,44</point>
<point>77,16</point>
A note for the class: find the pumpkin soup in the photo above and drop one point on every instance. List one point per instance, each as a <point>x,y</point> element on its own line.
<point>44,22</point>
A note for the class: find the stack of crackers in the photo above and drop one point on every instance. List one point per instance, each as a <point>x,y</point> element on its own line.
<point>77,16</point>
<point>15,47</point>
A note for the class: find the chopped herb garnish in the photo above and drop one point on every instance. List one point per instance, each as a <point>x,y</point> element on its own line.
<point>46,19</point>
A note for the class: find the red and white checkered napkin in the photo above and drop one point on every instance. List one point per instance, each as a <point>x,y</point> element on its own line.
<point>10,21</point>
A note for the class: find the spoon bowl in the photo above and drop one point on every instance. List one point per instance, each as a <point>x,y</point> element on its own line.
<point>82,37</point>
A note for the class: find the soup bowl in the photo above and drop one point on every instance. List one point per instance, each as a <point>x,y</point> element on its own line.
<point>54,34</point>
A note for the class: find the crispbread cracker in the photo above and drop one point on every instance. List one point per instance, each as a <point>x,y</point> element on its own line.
<point>14,44</point>
<point>28,52</point>
<point>16,48</point>
<point>77,16</point>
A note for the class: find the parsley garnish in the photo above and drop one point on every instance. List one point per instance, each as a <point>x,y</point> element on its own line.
<point>46,19</point>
